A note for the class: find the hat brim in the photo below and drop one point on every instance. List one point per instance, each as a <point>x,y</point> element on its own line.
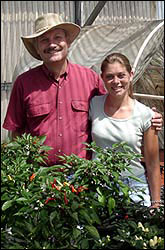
<point>72,29</point>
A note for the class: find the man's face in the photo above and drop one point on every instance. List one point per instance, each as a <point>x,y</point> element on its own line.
<point>52,46</point>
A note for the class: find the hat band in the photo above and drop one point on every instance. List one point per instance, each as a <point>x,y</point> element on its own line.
<point>44,28</point>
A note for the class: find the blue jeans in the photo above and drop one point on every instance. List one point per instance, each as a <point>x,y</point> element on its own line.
<point>139,188</point>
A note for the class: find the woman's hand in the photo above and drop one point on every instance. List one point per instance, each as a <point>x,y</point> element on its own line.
<point>155,204</point>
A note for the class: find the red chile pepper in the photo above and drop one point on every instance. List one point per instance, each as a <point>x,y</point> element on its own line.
<point>56,187</point>
<point>35,141</point>
<point>73,189</point>
<point>53,185</point>
<point>126,217</point>
<point>65,199</point>
<point>49,199</point>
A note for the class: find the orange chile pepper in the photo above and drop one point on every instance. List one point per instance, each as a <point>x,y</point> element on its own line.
<point>32,177</point>
<point>82,188</point>
<point>66,184</point>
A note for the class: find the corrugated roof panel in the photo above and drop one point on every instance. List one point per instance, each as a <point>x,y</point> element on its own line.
<point>138,40</point>
<point>124,11</point>
<point>95,42</point>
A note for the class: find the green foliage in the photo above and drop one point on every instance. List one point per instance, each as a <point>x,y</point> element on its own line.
<point>80,204</point>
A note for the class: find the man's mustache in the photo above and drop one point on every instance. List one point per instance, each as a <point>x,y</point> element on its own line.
<point>50,49</point>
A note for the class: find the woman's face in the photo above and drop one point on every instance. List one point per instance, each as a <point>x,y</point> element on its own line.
<point>117,79</point>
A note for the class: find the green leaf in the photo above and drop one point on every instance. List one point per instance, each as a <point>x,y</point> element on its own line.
<point>46,148</point>
<point>19,232</point>
<point>76,233</point>
<point>6,205</point>
<point>101,171</point>
<point>125,190</point>
<point>93,232</point>
<point>45,232</point>
<point>18,214</point>
<point>26,194</point>
<point>37,245</point>
<point>42,139</point>
<point>136,179</point>
<point>84,244</point>
<point>85,215</point>
<point>111,205</point>
<point>101,199</point>
<point>52,216</point>
<point>29,226</point>
<point>74,205</point>
<point>12,144</point>
<point>95,217</point>
<point>40,159</point>
<point>116,175</point>
<point>98,190</point>
<point>21,199</point>
<point>106,178</point>
<point>74,216</point>
<point>132,224</point>
<point>5,196</point>
<point>44,215</point>
<point>16,246</point>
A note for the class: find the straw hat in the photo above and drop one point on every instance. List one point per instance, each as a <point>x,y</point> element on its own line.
<point>43,24</point>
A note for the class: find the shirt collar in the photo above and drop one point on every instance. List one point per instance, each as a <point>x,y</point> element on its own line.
<point>49,74</point>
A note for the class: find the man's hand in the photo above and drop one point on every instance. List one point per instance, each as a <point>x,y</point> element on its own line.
<point>157,120</point>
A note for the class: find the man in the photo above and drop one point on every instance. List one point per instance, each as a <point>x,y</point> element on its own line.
<point>53,99</point>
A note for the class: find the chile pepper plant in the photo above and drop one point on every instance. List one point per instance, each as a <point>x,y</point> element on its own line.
<point>80,204</point>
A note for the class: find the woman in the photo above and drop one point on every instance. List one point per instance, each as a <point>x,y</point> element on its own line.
<point>117,116</point>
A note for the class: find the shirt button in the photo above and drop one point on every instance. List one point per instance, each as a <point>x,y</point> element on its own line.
<point>60,134</point>
<point>59,150</point>
<point>60,102</point>
<point>60,118</point>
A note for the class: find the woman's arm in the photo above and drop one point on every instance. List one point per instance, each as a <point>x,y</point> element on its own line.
<point>151,156</point>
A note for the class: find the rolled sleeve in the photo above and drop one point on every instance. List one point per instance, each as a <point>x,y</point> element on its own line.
<point>15,115</point>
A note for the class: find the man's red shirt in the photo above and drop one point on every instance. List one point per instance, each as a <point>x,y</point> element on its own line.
<point>40,105</point>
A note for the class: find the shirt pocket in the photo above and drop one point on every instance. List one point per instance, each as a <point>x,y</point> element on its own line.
<point>81,122</point>
<point>38,118</point>
<point>38,110</point>
<point>80,106</point>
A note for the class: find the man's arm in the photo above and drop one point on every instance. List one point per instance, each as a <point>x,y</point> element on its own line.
<point>14,134</point>
<point>157,120</point>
